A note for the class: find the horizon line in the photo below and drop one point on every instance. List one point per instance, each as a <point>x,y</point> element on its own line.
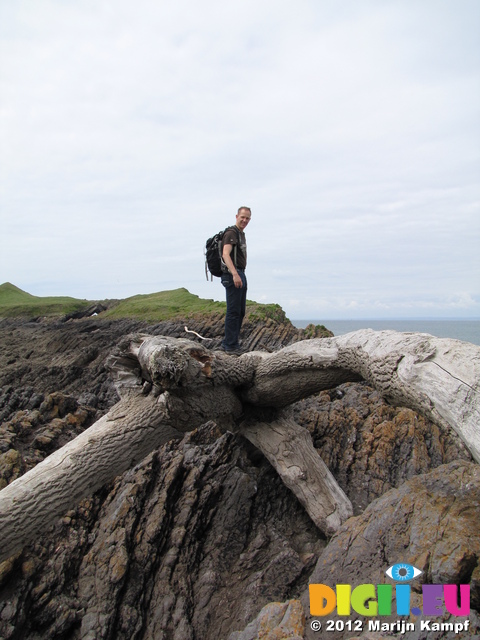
<point>391,318</point>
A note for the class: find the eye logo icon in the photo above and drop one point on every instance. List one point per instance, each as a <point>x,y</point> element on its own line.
<point>403,572</point>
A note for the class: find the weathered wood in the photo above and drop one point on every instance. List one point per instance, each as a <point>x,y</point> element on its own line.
<point>170,386</point>
<point>290,450</point>
<point>297,371</point>
<point>438,377</point>
<point>115,443</point>
<point>144,419</point>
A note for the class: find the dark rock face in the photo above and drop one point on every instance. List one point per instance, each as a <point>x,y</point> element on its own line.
<point>202,535</point>
<point>370,446</point>
<point>188,544</point>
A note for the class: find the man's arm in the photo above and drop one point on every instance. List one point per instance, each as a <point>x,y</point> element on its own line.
<point>227,258</point>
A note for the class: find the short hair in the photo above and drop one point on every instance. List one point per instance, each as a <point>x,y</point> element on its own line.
<point>245,209</point>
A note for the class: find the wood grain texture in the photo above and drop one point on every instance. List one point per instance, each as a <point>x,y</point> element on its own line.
<point>170,386</point>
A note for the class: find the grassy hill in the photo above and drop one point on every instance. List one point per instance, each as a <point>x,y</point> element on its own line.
<point>163,305</point>
<point>15,302</point>
<point>154,307</point>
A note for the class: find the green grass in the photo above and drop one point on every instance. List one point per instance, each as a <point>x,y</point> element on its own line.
<point>15,302</point>
<point>153,307</point>
<point>274,312</point>
<point>164,305</point>
<point>317,330</point>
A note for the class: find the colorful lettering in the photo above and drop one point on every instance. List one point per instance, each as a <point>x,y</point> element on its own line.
<point>368,600</point>
<point>322,599</point>
<point>384,592</point>
<point>402,592</point>
<point>432,599</point>
<point>362,600</point>
<point>343,599</point>
<point>450,593</point>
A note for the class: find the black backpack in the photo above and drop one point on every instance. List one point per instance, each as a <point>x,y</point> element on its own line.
<point>213,254</point>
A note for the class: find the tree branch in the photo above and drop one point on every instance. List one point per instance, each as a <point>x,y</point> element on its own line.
<point>290,450</point>
<point>169,386</point>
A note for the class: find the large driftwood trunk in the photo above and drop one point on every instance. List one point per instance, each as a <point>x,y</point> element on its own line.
<point>439,378</point>
<point>170,386</point>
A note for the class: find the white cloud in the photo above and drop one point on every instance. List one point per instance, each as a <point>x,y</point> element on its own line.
<point>129,134</point>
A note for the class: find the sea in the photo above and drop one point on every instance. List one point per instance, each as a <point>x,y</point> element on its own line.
<point>465,330</point>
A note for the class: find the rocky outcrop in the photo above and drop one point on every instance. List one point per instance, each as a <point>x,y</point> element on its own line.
<point>371,446</point>
<point>32,435</point>
<point>38,358</point>
<point>191,543</point>
<point>430,522</point>
<point>195,540</point>
<point>285,620</point>
<point>202,538</point>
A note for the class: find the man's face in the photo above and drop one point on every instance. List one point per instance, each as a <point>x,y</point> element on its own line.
<point>243,218</point>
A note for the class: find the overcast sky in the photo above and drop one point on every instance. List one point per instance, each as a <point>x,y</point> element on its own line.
<point>132,131</point>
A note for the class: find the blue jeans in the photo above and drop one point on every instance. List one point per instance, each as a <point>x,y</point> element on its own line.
<point>236,304</point>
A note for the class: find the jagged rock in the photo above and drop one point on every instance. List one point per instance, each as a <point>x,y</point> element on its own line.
<point>371,446</point>
<point>276,621</point>
<point>430,522</point>
<point>69,356</point>
<point>191,543</point>
<point>40,587</point>
<point>32,435</point>
<point>200,536</point>
<point>92,310</point>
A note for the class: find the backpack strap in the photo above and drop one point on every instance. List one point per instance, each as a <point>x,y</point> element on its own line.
<point>235,245</point>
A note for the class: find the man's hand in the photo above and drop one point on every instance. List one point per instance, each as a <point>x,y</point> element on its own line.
<point>237,281</point>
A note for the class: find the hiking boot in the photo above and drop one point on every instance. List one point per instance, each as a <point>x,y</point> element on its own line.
<point>236,351</point>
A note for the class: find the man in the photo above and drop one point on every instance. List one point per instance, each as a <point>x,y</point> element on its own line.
<point>234,255</point>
